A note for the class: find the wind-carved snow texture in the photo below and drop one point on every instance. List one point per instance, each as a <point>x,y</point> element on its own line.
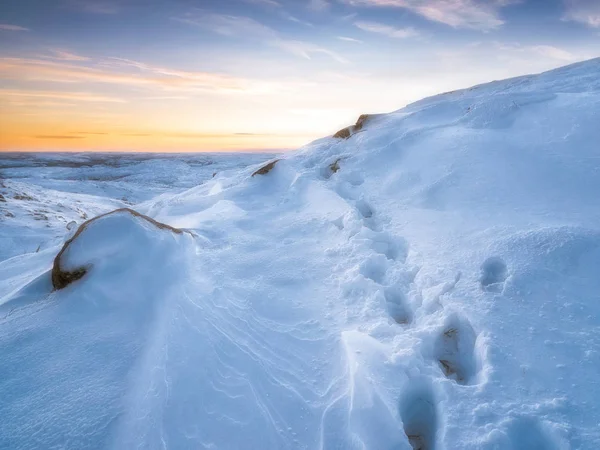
<point>429,282</point>
<point>454,349</point>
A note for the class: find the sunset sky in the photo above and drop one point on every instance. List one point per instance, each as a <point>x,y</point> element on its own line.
<point>200,75</point>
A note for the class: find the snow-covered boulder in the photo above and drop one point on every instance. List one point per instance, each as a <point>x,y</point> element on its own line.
<point>69,356</point>
<point>111,240</point>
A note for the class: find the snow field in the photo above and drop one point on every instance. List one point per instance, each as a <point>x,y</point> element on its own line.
<point>431,282</point>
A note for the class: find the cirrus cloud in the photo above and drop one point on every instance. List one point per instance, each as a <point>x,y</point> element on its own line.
<point>248,28</point>
<point>115,71</point>
<point>483,15</point>
<point>549,52</point>
<point>9,27</point>
<point>59,95</point>
<point>586,12</point>
<point>64,55</point>
<point>387,30</point>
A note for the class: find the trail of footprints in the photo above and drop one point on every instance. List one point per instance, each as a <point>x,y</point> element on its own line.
<point>454,348</point>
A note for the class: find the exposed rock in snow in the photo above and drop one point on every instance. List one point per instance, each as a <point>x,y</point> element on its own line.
<point>344,133</point>
<point>73,187</point>
<point>266,168</point>
<point>69,266</point>
<point>363,119</point>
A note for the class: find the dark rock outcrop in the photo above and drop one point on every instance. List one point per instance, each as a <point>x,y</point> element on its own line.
<point>62,277</point>
<point>335,166</point>
<point>23,196</point>
<point>344,133</point>
<point>363,119</point>
<point>266,168</point>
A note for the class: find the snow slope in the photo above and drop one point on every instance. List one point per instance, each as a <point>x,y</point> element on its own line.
<point>41,193</point>
<point>432,282</point>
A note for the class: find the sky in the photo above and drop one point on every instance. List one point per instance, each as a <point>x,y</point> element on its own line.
<point>257,75</point>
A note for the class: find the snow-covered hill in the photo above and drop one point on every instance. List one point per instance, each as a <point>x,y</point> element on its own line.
<point>430,282</point>
<point>41,193</point>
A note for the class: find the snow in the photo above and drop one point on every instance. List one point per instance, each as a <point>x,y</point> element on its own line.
<point>436,288</point>
<point>54,189</point>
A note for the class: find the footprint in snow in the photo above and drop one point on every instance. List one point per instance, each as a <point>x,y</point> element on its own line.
<point>419,413</point>
<point>394,248</point>
<point>526,433</point>
<point>375,268</point>
<point>455,350</point>
<point>355,178</point>
<point>397,306</point>
<point>368,214</point>
<point>364,209</point>
<point>493,274</point>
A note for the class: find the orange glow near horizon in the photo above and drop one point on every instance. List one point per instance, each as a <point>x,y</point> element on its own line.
<point>25,134</point>
<point>79,75</point>
<point>122,105</point>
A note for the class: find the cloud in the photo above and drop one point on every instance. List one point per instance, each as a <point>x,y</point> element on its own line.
<point>547,51</point>
<point>480,15</point>
<point>58,136</point>
<point>291,18</point>
<point>267,3</point>
<point>80,96</point>
<point>349,39</point>
<point>112,71</point>
<point>36,104</point>
<point>9,27</point>
<point>63,55</point>
<point>586,12</point>
<point>554,53</point>
<point>380,28</point>
<point>276,6</point>
<point>164,97</point>
<point>306,49</point>
<point>248,28</point>
<point>197,135</point>
<point>228,25</point>
<point>174,78</point>
<point>318,5</point>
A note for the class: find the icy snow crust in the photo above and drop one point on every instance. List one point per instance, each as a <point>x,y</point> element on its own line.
<point>439,291</point>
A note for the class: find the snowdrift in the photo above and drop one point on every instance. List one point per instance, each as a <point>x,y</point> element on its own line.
<point>40,193</point>
<point>427,280</point>
<point>67,354</point>
<point>103,241</point>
